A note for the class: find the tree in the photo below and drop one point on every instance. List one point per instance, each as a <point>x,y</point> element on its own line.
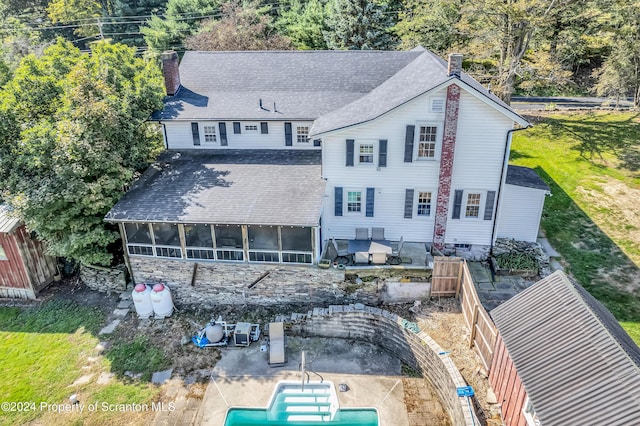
<point>359,25</point>
<point>84,11</point>
<point>304,24</point>
<point>503,31</point>
<point>241,28</point>
<point>430,24</point>
<point>180,20</point>
<point>73,133</point>
<point>619,76</point>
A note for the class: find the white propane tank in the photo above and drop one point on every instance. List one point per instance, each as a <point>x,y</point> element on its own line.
<point>161,301</point>
<point>141,296</point>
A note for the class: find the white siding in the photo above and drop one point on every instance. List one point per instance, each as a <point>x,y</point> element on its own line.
<point>477,166</point>
<point>179,136</point>
<point>520,213</point>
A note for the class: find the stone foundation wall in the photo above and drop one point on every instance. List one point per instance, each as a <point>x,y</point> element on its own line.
<point>394,334</point>
<point>104,279</point>
<point>231,283</point>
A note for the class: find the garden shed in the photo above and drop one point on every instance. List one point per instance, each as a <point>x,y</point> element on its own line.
<point>25,269</point>
<point>561,358</point>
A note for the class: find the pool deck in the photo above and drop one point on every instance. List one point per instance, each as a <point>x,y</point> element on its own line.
<point>242,378</point>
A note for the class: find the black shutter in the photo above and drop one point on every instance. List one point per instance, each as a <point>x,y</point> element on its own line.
<point>223,134</point>
<point>195,131</point>
<point>236,128</point>
<point>371,193</point>
<point>338,200</point>
<point>408,203</point>
<point>288,136</point>
<point>350,144</point>
<point>408,144</point>
<point>488,206</point>
<point>264,128</point>
<point>316,142</point>
<point>457,204</point>
<point>382,153</point>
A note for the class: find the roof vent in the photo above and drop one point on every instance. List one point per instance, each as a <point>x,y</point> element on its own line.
<point>455,64</point>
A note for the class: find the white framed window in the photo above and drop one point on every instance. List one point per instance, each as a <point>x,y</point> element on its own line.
<point>472,205</point>
<point>427,142</point>
<point>530,414</point>
<point>437,104</point>
<point>365,153</point>
<point>3,255</point>
<point>423,204</point>
<point>251,128</point>
<point>302,134</point>
<point>354,201</point>
<point>209,133</point>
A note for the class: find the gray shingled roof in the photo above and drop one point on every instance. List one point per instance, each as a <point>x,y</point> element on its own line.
<point>8,223</point>
<point>303,84</point>
<point>335,88</point>
<point>272,187</point>
<point>423,74</point>
<point>524,176</point>
<point>577,364</point>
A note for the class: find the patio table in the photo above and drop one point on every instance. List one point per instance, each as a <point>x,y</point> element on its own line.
<point>363,248</point>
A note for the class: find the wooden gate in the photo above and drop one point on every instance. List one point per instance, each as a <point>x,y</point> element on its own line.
<point>447,274</point>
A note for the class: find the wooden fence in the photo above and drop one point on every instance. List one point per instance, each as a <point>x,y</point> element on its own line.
<point>483,332</point>
<point>446,277</point>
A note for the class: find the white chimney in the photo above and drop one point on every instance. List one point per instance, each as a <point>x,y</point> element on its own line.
<point>455,64</point>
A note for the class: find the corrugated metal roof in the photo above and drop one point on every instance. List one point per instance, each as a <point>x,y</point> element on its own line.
<point>8,223</point>
<point>253,187</point>
<point>578,366</point>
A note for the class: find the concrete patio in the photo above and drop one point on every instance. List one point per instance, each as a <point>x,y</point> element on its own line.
<point>242,378</point>
<point>414,255</point>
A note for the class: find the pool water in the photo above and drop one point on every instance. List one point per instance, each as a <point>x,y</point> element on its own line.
<point>315,404</point>
<point>343,417</point>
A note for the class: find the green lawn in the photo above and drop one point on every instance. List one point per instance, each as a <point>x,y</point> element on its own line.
<point>591,162</point>
<point>45,350</point>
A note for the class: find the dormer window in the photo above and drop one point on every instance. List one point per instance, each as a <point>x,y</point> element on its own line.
<point>210,134</point>
<point>302,134</point>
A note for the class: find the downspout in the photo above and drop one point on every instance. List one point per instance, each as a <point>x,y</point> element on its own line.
<point>164,135</point>
<point>505,161</point>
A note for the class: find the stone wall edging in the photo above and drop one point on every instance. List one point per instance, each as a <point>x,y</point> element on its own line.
<point>389,331</point>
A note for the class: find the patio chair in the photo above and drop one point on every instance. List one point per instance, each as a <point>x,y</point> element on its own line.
<point>394,258</point>
<point>342,256</point>
<point>277,350</point>
<point>377,233</point>
<point>362,233</point>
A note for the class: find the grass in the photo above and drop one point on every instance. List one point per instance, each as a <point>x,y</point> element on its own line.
<point>137,356</point>
<point>582,156</point>
<point>45,350</point>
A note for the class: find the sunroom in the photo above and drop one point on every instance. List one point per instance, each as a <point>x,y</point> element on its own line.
<point>222,242</point>
<point>228,206</point>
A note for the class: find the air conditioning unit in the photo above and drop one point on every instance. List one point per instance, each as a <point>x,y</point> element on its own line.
<point>242,334</point>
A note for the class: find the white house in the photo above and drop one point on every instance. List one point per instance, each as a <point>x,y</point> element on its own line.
<point>270,154</point>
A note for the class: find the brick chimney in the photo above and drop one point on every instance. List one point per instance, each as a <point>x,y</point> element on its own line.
<point>455,64</point>
<point>170,71</point>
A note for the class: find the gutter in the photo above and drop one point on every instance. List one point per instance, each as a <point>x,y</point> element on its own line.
<point>505,164</point>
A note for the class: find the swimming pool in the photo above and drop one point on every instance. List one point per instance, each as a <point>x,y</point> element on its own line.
<point>292,405</point>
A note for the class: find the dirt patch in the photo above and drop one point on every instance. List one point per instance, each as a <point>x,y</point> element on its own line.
<point>423,406</point>
<point>442,319</point>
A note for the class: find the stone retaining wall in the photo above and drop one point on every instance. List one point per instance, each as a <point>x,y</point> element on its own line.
<point>392,333</point>
<point>104,279</point>
<point>231,283</point>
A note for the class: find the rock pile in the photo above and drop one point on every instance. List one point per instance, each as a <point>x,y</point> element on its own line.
<point>508,245</point>
<point>104,279</point>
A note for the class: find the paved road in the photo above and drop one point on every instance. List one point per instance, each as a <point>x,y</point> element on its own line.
<point>536,103</point>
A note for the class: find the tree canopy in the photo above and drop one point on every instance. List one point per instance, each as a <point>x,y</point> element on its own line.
<point>72,136</point>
